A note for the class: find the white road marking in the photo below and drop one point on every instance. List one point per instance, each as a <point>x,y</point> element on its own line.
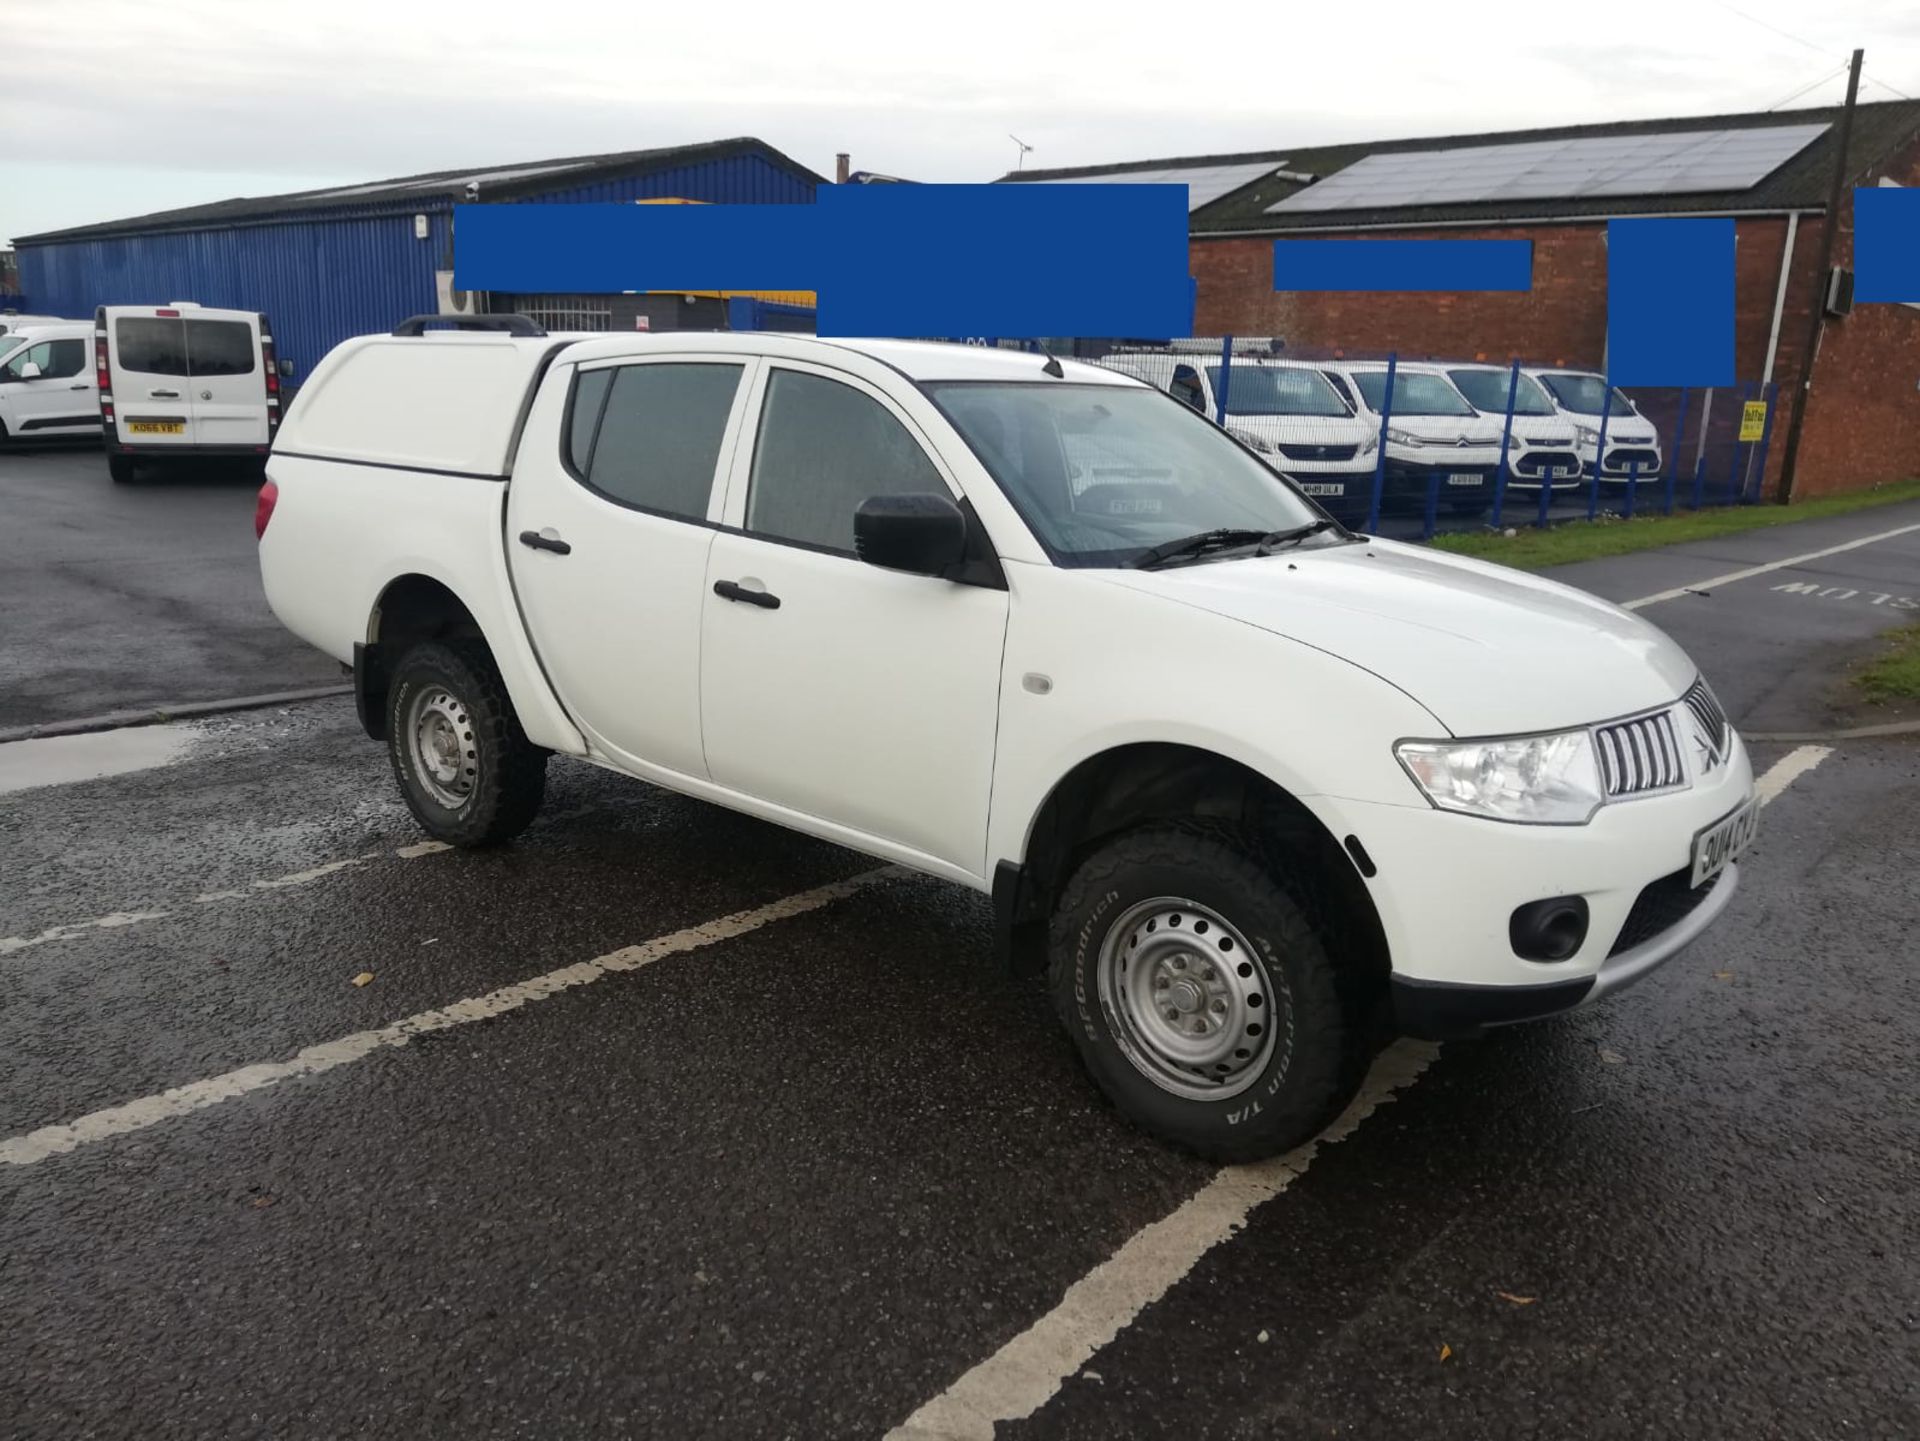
<point>1027,1372</point>
<point>1023,1375</point>
<point>1731,576</point>
<point>182,1100</point>
<point>252,888</point>
<point>1788,769</point>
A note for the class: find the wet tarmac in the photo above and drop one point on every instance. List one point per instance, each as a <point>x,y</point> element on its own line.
<point>577,1161</point>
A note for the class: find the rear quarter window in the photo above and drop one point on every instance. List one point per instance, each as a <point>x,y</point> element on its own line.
<point>220,347</point>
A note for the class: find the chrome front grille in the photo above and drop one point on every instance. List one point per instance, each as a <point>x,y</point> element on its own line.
<point>1711,721</point>
<point>1640,755</point>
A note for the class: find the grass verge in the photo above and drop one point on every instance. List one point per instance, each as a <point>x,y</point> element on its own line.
<point>1894,672</point>
<point>1530,548</point>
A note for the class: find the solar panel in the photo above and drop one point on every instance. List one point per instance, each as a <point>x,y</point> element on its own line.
<point>1673,163</point>
<point>1205,183</point>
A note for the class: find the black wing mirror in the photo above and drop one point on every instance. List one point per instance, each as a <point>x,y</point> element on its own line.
<point>922,533</point>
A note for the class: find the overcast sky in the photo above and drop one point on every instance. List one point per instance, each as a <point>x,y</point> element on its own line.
<point>117,107</point>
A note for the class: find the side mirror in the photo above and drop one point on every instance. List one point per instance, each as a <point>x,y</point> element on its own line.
<point>922,533</point>
<point>29,371</point>
<point>285,367</point>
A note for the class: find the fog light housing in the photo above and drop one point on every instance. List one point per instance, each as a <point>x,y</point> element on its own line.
<point>1549,930</point>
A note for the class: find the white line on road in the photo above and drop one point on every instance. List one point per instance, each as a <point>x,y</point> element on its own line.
<point>1023,1375</point>
<point>1731,576</point>
<point>1027,1372</point>
<point>151,1110</point>
<point>1788,769</point>
<point>9,944</point>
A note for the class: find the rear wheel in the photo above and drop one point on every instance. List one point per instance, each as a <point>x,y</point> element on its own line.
<point>468,772</point>
<point>1201,996</point>
<point>120,467</point>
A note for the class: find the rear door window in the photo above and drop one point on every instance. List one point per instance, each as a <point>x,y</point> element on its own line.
<point>219,347</point>
<point>151,345</point>
<point>658,441</point>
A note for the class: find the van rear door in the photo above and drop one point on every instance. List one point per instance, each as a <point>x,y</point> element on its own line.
<point>147,364</point>
<point>228,388</point>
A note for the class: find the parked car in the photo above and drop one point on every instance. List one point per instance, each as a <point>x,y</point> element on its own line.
<point>46,384</point>
<point>1436,441</point>
<point>1547,453</point>
<point>181,382</point>
<point>1245,784</point>
<point>1633,445</point>
<point>1283,410</point>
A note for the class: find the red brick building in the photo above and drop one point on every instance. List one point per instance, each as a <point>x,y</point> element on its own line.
<point>1863,417</point>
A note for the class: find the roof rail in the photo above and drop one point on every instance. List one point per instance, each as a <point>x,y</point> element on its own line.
<point>511,324</point>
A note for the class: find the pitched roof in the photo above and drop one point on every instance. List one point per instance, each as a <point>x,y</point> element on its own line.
<point>1879,130</point>
<point>495,182</point>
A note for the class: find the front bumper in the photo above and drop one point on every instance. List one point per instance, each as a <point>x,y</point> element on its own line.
<point>1441,1011</point>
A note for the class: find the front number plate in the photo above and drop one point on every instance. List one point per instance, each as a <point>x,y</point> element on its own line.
<point>1463,477</point>
<point>156,427</point>
<point>1723,841</point>
<point>1320,487</point>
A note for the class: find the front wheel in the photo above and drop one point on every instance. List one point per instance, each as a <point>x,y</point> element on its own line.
<point>1200,995</point>
<point>466,768</point>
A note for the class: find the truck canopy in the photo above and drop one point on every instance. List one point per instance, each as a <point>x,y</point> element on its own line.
<point>442,401</point>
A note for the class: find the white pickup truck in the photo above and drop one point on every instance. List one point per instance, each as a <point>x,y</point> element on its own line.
<point>1254,790</point>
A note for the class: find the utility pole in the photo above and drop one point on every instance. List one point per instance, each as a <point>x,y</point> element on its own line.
<point>1836,195</point>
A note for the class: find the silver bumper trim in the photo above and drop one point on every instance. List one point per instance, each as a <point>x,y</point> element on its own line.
<point>1618,972</point>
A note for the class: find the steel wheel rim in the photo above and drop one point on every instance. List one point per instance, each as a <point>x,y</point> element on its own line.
<point>1189,1001</point>
<point>440,744</point>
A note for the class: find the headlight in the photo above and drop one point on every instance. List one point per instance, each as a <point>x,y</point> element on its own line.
<point>1516,442</point>
<point>1586,435</point>
<point>1402,437</point>
<point>1250,440</point>
<point>1549,780</point>
<point>1369,445</point>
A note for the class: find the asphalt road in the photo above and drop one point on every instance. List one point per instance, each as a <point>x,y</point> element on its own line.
<point>133,596</point>
<point>807,1172</point>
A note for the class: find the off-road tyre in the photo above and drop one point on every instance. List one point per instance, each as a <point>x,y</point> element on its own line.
<point>1322,1020</point>
<point>502,776</point>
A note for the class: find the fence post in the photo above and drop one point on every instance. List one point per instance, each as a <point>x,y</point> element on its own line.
<point>1600,447</point>
<point>1506,439</point>
<point>1735,481</point>
<point>1700,453</point>
<point>1772,397</point>
<point>1380,457</point>
<point>1226,379</point>
<point>1633,486</point>
<point>1679,438</point>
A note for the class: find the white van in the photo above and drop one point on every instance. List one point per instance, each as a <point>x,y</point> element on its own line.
<point>1285,411</point>
<point>12,322</point>
<point>46,385</point>
<point>181,382</point>
<point>1435,440</point>
<point>1633,445</point>
<point>1547,439</point>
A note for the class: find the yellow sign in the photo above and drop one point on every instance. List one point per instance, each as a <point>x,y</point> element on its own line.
<point>1753,420</point>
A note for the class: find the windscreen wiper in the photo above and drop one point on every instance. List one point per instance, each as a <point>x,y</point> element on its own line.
<point>1294,536</point>
<point>1195,545</point>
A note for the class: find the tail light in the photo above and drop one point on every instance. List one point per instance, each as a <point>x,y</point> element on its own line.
<point>103,378</point>
<point>263,509</point>
<point>272,368</point>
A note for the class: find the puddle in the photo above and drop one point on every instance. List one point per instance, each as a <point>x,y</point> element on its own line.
<point>58,760</point>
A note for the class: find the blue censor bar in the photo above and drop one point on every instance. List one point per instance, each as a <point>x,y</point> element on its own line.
<point>1403,265</point>
<point>1009,260</point>
<point>1886,245</point>
<point>1670,302</point>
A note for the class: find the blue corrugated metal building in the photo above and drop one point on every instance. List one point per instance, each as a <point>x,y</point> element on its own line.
<point>350,260</point>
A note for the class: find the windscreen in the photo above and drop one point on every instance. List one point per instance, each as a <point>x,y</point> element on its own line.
<point>1254,389</point>
<point>1103,473</point>
<point>1413,393</point>
<point>1581,394</point>
<point>1487,391</point>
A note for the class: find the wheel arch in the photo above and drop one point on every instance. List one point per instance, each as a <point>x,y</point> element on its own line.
<point>1131,785</point>
<point>411,608</point>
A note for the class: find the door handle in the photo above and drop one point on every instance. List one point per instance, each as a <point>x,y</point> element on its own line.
<point>733,590</point>
<point>537,541</point>
<point>164,394</point>
<point>79,387</point>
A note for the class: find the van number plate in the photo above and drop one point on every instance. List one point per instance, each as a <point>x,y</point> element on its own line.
<point>1320,487</point>
<point>1463,477</point>
<point>156,427</point>
<point>1723,841</point>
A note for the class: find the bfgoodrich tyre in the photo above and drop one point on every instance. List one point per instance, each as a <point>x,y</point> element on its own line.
<point>1200,996</point>
<point>468,772</point>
